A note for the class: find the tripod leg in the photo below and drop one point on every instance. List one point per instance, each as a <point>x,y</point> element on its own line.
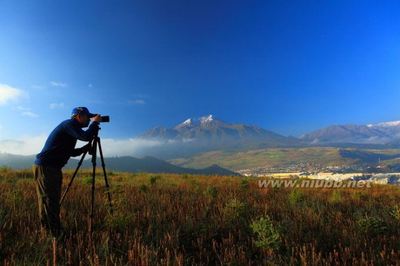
<point>94,152</point>
<point>72,179</point>
<point>105,176</point>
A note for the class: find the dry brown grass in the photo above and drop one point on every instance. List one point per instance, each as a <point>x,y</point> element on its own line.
<point>183,220</point>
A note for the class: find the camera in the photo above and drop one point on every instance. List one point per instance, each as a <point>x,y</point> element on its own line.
<point>105,119</point>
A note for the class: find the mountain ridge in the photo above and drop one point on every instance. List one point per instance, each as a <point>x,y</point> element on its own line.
<point>379,133</point>
<point>121,163</point>
<point>209,130</point>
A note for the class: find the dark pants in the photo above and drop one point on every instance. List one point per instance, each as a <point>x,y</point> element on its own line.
<point>48,189</point>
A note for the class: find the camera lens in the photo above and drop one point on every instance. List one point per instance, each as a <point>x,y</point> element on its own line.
<point>105,118</point>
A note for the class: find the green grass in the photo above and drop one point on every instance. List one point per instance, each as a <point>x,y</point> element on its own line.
<point>279,158</point>
<point>274,157</point>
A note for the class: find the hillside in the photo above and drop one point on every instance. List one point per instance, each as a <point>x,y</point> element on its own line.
<point>287,157</point>
<point>124,163</point>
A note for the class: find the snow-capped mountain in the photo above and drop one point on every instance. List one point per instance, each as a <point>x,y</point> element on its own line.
<point>386,124</point>
<point>208,133</point>
<point>211,131</point>
<point>379,133</point>
<point>204,121</point>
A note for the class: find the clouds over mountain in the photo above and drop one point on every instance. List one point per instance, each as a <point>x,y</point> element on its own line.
<point>191,136</point>
<point>29,145</point>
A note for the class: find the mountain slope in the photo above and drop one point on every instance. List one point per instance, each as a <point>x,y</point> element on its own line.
<point>208,133</point>
<point>291,159</point>
<point>154,165</point>
<point>381,133</point>
<point>125,164</point>
<point>266,158</point>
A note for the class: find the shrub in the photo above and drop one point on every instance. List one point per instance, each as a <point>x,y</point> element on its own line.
<point>295,197</point>
<point>211,192</point>
<point>395,212</point>
<point>153,179</point>
<point>87,180</point>
<point>235,211</point>
<point>335,197</point>
<point>244,184</point>
<point>119,221</point>
<point>267,236</point>
<point>371,225</point>
<point>143,188</point>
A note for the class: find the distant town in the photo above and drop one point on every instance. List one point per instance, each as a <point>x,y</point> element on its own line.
<point>377,174</point>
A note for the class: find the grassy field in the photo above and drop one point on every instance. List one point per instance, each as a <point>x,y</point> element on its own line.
<point>204,220</point>
<point>272,157</point>
<point>285,157</point>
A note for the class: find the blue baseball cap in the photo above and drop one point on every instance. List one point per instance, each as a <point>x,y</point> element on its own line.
<point>82,110</point>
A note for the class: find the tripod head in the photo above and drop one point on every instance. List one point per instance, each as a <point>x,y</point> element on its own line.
<point>96,138</point>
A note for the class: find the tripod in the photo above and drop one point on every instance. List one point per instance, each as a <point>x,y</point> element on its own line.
<point>93,143</point>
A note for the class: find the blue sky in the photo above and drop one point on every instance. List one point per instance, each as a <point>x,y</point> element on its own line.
<point>288,66</point>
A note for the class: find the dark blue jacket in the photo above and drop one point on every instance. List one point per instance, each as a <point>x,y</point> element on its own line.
<point>60,145</point>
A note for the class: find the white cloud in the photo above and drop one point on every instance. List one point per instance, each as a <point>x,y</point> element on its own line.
<point>23,146</point>
<point>29,114</point>
<point>56,105</point>
<point>21,108</point>
<point>125,147</point>
<point>38,87</point>
<point>58,84</point>
<point>136,101</point>
<point>10,94</point>
<point>28,145</point>
<point>26,111</point>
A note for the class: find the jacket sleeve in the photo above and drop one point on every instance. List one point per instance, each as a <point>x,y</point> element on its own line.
<point>76,152</point>
<point>80,134</point>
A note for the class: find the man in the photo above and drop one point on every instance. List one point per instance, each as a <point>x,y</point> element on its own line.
<point>59,147</point>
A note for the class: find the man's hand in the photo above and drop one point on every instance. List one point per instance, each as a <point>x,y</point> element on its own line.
<point>81,150</point>
<point>87,148</point>
<point>96,118</point>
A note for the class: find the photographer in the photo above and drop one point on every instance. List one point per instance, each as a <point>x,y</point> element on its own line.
<point>59,147</point>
